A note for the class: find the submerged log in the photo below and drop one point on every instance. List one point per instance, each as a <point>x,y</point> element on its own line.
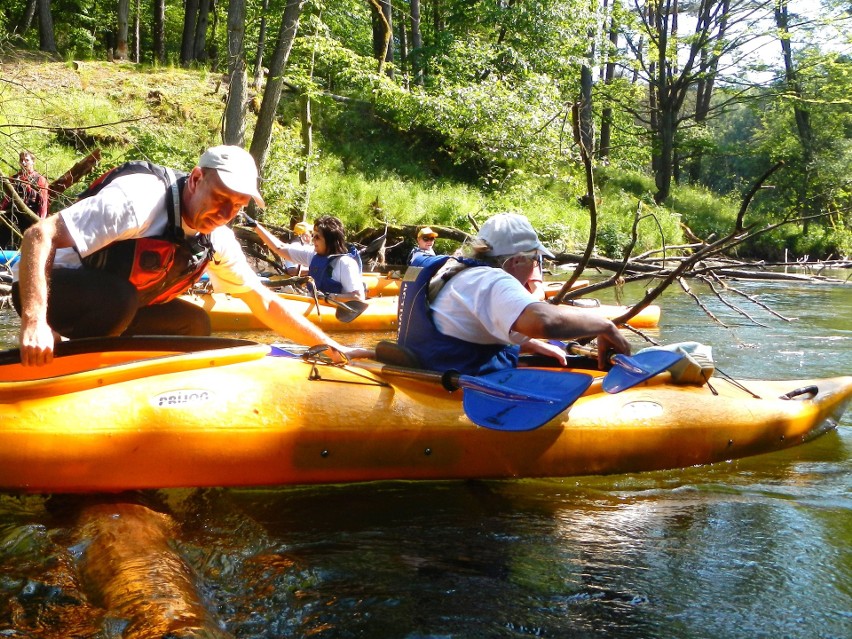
<point>130,568</point>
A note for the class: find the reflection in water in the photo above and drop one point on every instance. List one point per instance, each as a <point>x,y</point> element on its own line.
<point>758,547</point>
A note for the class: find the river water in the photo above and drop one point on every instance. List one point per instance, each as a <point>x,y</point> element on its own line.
<point>758,547</point>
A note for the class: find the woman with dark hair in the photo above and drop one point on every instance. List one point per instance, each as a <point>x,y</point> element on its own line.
<point>336,268</point>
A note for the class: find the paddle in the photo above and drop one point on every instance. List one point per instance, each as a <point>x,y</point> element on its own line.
<point>514,399</point>
<point>626,371</point>
<point>346,311</point>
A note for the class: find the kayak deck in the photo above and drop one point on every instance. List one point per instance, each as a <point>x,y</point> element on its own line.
<point>234,416</point>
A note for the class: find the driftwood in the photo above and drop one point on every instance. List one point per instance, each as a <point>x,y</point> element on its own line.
<point>702,259</point>
<point>20,207</point>
<point>77,172</point>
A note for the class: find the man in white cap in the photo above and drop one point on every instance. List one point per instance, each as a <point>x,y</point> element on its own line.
<point>475,316</point>
<point>115,261</point>
<point>425,244</point>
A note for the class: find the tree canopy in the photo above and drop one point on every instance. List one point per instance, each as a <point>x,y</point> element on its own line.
<point>505,96</point>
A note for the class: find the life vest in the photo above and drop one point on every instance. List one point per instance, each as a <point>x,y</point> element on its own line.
<point>159,267</point>
<point>29,188</point>
<point>322,266</point>
<point>417,330</point>
<point>417,253</point>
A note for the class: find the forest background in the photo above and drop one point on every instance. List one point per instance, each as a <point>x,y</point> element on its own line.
<point>443,112</point>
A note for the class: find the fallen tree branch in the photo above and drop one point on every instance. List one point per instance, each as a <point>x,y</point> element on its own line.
<point>698,301</point>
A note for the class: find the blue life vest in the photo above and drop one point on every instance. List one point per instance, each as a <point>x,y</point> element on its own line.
<point>321,267</point>
<point>436,351</point>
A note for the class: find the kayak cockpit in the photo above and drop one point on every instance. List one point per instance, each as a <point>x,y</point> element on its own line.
<point>83,363</point>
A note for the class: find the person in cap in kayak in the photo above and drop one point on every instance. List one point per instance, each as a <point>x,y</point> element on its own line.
<point>425,244</point>
<point>335,268</point>
<point>115,261</point>
<point>475,316</point>
<point>302,237</point>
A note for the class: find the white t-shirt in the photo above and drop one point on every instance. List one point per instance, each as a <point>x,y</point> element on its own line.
<point>287,263</point>
<point>134,206</point>
<point>344,268</point>
<point>480,305</point>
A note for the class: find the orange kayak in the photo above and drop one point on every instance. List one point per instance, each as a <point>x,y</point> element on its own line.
<point>134,413</point>
<point>381,285</point>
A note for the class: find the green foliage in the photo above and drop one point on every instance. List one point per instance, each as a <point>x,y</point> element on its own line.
<point>707,214</point>
<point>488,130</point>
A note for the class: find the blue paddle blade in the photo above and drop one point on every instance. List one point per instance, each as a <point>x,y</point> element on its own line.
<point>629,371</point>
<point>529,398</point>
<point>276,350</point>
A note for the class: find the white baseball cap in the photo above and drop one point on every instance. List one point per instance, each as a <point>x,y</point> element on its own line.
<point>236,169</point>
<point>510,233</point>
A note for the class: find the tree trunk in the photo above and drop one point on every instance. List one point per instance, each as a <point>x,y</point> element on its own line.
<point>403,46</point>
<point>272,92</point>
<point>704,89</point>
<point>261,43</point>
<point>801,115</point>
<point>234,127</point>
<point>587,135</point>
<point>382,33</point>
<point>46,39</point>
<point>437,17</point>
<point>137,13</point>
<point>307,152</point>
<point>501,36</point>
<point>187,41</point>
<point>27,18</point>
<point>665,155</point>
<point>159,49</point>
<point>212,47</point>
<point>120,52</point>
<point>416,44</point>
<point>199,47</point>
<point>609,76</point>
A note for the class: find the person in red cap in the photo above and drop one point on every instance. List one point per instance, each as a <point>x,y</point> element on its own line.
<point>115,261</point>
<point>425,244</point>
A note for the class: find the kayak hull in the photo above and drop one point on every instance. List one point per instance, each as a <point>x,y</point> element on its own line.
<point>381,285</point>
<point>237,417</point>
<point>231,314</point>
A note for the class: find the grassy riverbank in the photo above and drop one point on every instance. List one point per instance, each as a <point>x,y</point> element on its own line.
<point>360,171</point>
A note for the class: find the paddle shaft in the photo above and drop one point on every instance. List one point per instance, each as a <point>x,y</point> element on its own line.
<point>592,353</point>
<point>451,381</point>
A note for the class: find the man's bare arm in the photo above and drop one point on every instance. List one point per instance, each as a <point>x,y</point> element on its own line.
<point>37,250</point>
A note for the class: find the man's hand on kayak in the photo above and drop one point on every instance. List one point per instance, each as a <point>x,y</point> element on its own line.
<point>37,344</point>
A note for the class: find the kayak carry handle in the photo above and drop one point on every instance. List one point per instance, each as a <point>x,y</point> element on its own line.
<point>805,392</point>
